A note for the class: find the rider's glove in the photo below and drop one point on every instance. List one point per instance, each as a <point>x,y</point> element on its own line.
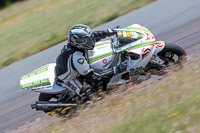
<point>120,68</point>
<point>111,32</point>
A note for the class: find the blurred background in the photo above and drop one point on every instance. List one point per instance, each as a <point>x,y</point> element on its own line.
<point>28,26</point>
<point>32,32</point>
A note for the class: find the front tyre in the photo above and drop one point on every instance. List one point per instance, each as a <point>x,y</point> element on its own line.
<point>173,54</point>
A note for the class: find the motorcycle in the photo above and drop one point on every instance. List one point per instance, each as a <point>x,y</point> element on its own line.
<point>134,44</point>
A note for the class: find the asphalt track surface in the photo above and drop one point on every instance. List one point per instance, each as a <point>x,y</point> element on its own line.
<point>173,21</point>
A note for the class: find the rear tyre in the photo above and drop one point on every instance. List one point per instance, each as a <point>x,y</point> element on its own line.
<point>48,97</point>
<point>45,97</point>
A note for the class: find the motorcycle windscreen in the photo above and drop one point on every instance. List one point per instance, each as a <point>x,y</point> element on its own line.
<point>41,80</point>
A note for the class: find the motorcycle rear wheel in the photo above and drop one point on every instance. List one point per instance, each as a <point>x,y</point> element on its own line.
<point>45,97</point>
<point>59,111</point>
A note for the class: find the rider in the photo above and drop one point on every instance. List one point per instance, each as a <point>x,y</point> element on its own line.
<point>73,59</point>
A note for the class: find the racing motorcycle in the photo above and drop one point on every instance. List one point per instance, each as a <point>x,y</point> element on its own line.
<point>134,44</point>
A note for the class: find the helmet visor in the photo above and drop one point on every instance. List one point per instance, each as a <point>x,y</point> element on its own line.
<point>87,41</point>
<point>82,40</point>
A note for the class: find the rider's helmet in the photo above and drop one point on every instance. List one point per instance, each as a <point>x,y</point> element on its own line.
<point>81,37</point>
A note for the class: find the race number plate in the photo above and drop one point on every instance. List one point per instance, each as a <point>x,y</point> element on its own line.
<point>135,71</point>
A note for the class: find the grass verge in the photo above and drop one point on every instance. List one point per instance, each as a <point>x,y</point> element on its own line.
<point>169,105</point>
<point>31,26</point>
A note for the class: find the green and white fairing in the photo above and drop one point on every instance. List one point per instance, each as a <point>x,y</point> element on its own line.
<point>41,80</point>
<point>105,55</point>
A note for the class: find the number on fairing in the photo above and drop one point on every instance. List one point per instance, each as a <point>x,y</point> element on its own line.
<point>135,71</point>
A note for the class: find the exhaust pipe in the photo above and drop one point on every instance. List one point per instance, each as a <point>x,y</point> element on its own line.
<point>50,106</point>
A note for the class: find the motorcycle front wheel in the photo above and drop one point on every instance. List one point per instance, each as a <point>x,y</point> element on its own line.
<point>173,54</point>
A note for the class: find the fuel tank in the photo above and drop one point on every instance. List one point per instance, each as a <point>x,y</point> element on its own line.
<point>102,56</point>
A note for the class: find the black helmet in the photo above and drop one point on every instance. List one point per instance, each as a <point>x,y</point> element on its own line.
<point>80,36</point>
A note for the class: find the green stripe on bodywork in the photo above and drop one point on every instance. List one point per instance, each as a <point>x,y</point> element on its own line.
<point>100,57</point>
<point>140,30</point>
<point>35,83</point>
<point>139,45</point>
<point>102,44</point>
<point>34,73</point>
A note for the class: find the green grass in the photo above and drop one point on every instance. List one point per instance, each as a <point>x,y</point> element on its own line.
<point>172,107</point>
<point>31,26</point>
<point>169,105</point>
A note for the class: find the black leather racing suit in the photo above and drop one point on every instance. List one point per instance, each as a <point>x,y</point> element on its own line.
<point>72,62</point>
